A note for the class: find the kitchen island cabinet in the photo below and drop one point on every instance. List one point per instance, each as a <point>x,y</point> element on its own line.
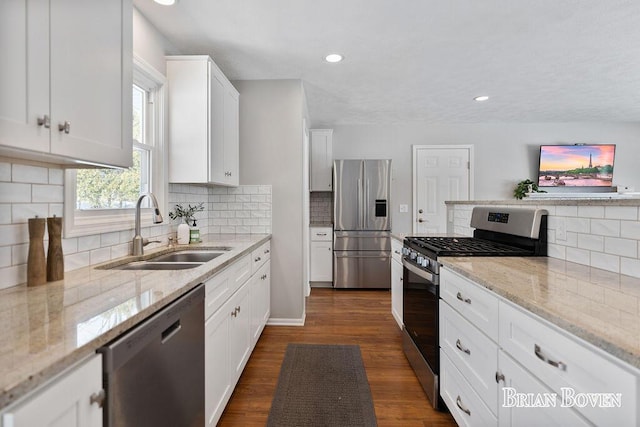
<point>203,123</point>
<point>490,342</point>
<point>73,399</point>
<point>66,91</point>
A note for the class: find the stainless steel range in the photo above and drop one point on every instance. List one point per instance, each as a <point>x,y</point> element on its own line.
<point>498,232</point>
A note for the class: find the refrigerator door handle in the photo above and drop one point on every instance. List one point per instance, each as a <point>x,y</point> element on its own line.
<point>366,205</point>
<point>360,209</point>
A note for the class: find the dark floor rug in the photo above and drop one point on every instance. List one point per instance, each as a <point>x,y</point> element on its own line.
<point>322,385</point>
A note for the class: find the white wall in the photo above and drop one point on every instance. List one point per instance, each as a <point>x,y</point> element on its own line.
<point>504,153</point>
<point>271,151</point>
<point>148,43</point>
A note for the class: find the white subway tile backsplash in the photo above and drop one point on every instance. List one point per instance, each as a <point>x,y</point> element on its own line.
<point>580,256</point>
<point>5,171</point>
<point>98,256</point>
<point>11,192</point>
<point>630,229</point>
<point>591,211</point>
<point>47,193</point>
<point>86,243</point>
<point>31,174</point>
<point>578,225</point>
<point>56,209</point>
<point>605,261</point>
<point>11,276</point>
<point>76,261</point>
<point>70,246</point>
<point>5,256</point>
<point>109,239</point>
<point>21,212</point>
<point>20,254</point>
<point>56,176</point>
<point>630,267</point>
<point>621,212</point>
<point>605,227</point>
<point>13,234</point>
<point>591,242</point>
<point>566,210</point>
<point>624,247</point>
<point>5,213</point>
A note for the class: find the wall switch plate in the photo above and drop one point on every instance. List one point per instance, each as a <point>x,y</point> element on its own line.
<point>404,208</point>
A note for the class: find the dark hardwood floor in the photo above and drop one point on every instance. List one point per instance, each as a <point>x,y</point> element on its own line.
<point>360,317</point>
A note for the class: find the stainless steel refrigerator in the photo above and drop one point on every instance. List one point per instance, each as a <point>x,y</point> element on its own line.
<point>362,225</point>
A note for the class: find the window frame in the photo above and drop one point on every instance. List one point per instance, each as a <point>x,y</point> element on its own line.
<point>82,223</point>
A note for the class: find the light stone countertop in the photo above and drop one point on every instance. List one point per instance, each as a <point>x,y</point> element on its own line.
<point>565,201</point>
<point>601,307</point>
<point>46,329</point>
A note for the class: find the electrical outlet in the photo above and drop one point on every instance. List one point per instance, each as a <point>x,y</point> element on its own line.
<point>561,229</point>
<point>404,208</point>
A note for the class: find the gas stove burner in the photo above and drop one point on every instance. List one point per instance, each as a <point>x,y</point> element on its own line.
<point>465,246</point>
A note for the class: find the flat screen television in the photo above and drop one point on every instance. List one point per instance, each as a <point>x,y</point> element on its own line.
<point>580,165</point>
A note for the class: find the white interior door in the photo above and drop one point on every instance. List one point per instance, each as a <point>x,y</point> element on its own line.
<point>440,173</point>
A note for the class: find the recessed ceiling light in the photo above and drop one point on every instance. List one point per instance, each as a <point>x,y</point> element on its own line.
<point>334,57</point>
<point>166,2</point>
<point>481,98</point>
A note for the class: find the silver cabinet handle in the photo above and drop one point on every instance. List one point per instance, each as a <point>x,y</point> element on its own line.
<point>499,377</point>
<point>97,398</point>
<point>461,348</point>
<point>461,298</point>
<point>459,403</point>
<point>66,126</point>
<point>321,234</point>
<point>558,364</point>
<point>397,252</point>
<point>257,259</point>
<point>44,121</point>
<point>238,309</point>
<point>266,251</point>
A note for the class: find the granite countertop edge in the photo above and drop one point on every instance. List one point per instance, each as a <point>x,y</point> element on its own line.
<point>13,390</point>
<point>602,343</point>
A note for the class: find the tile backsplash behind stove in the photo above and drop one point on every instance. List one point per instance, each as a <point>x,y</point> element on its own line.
<point>321,207</point>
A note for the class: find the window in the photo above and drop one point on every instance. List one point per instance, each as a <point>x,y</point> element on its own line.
<point>99,200</point>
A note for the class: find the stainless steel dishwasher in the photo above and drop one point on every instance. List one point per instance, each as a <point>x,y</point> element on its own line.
<point>154,373</point>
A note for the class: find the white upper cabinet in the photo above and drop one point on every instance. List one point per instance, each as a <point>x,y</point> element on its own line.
<point>66,92</point>
<point>203,123</point>
<point>321,160</point>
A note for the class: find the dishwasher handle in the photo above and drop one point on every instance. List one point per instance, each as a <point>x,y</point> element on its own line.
<point>168,333</point>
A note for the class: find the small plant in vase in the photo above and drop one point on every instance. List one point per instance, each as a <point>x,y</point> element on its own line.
<point>185,233</point>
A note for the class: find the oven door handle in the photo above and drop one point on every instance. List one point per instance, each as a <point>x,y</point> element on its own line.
<point>421,273</point>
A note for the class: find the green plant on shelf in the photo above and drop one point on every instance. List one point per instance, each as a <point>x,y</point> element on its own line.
<point>525,187</point>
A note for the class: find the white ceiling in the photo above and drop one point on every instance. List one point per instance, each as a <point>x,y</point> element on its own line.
<point>425,60</point>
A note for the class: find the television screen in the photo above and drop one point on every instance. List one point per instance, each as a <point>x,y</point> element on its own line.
<point>588,165</point>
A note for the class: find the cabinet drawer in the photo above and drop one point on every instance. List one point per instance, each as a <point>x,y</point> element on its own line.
<point>396,250</point>
<point>475,304</point>
<point>465,405</point>
<point>518,380</point>
<point>321,234</point>
<point>560,360</point>
<point>217,290</point>
<point>475,355</point>
<point>260,256</point>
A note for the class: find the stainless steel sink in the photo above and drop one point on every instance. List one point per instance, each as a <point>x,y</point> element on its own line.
<point>186,256</point>
<point>147,265</point>
<point>179,260</point>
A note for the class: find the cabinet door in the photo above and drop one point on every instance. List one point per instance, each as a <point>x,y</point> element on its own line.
<point>321,152</point>
<point>321,268</point>
<point>218,387</point>
<point>65,403</point>
<point>217,94</point>
<point>396,291</point>
<point>24,75</point>
<point>91,79</point>
<point>239,331</point>
<point>260,301</point>
<point>231,136</point>
<point>518,380</point>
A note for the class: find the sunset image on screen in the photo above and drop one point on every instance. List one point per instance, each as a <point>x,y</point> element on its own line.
<point>576,165</point>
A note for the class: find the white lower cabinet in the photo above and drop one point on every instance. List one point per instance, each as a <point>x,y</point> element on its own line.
<point>321,254</point>
<point>519,380</point>
<point>396,281</point>
<point>237,307</point>
<point>71,400</point>
<point>491,349</point>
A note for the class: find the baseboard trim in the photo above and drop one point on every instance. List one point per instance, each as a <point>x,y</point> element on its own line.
<point>285,322</point>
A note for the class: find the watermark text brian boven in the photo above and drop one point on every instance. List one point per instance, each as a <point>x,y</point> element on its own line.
<point>567,398</point>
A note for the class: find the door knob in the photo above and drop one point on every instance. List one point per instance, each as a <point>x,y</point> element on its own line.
<point>420,211</point>
<point>420,220</point>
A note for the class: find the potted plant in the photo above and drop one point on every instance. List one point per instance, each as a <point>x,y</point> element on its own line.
<point>525,187</point>
<point>188,215</point>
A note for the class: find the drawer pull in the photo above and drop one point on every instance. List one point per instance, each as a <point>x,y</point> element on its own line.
<point>266,251</point>
<point>538,351</point>
<point>461,348</point>
<point>462,408</point>
<point>397,252</point>
<point>321,234</point>
<point>257,259</point>
<point>499,377</point>
<point>98,398</point>
<point>459,296</point>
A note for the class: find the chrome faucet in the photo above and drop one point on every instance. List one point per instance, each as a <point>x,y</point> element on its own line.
<point>138,241</point>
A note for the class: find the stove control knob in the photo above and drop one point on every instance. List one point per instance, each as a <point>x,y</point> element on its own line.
<point>413,255</point>
<point>405,251</point>
<point>425,262</point>
<point>420,259</point>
